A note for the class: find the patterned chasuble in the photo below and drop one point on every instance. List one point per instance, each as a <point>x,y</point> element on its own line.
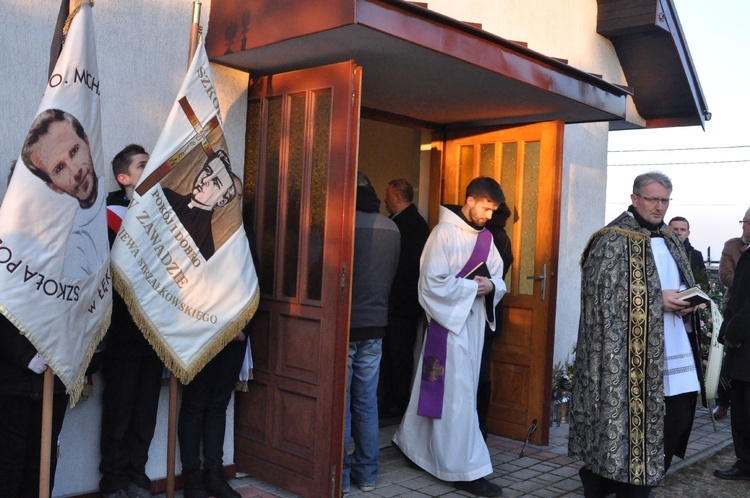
<point>617,408</point>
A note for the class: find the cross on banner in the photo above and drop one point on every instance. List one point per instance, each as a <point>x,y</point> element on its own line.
<point>200,138</point>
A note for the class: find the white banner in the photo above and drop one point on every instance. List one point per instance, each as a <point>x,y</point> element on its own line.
<point>181,258</point>
<point>55,283</point>
<point>715,354</point>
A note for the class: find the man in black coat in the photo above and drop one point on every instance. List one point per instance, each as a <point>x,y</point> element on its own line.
<point>735,335</point>
<point>496,226</point>
<point>404,311</point>
<point>681,227</point>
<point>21,389</point>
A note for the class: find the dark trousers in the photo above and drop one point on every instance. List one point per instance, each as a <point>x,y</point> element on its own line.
<point>20,444</point>
<point>677,420</point>
<point>203,412</point>
<point>397,364</point>
<point>130,402</point>
<point>723,393</point>
<point>484,389</point>
<point>740,417</point>
<point>596,486</point>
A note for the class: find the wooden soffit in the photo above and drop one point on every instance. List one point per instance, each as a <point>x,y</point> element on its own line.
<point>654,55</point>
<point>416,63</point>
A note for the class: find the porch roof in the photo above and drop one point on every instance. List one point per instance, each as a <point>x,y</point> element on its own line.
<point>650,43</point>
<point>416,63</point>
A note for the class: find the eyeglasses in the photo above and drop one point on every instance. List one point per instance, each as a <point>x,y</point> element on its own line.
<point>655,200</point>
<point>744,222</point>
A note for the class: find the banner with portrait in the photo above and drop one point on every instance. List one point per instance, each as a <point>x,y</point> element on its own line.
<point>55,283</point>
<point>181,259</point>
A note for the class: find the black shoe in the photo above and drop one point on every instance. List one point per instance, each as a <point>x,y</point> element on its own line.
<point>192,481</point>
<point>120,493</point>
<point>479,487</point>
<point>733,474</point>
<point>135,491</point>
<point>483,430</point>
<point>217,485</point>
<point>720,412</point>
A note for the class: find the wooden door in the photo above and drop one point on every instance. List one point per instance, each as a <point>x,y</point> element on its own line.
<point>300,178</point>
<point>527,162</point>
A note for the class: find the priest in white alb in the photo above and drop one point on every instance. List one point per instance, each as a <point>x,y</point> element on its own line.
<point>460,283</point>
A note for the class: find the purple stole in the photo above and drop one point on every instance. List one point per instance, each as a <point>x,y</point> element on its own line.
<point>432,386</point>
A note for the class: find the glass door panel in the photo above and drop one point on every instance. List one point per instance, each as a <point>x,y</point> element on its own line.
<point>528,217</point>
<point>509,161</point>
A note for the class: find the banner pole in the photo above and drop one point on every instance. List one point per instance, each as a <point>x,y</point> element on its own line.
<point>47,393</point>
<point>171,436</point>
<point>172,424</point>
<point>194,31</point>
<point>45,453</point>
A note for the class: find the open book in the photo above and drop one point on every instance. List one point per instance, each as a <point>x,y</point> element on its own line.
<point>694,296</point>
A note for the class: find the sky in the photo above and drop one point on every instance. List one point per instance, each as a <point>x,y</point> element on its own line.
<point>710,170</point>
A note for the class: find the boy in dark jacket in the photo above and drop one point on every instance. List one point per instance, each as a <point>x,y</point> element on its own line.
<point>132,371</point>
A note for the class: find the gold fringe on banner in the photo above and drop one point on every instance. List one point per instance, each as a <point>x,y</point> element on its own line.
<point>73,14</point>
<point>147,327</point>
<point>88,388</point>
<point>75,391</point>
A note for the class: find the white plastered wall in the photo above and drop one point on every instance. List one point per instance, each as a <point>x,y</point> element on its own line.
<point>142,49</point>
<point>566,30</point>
<point>584,189</point>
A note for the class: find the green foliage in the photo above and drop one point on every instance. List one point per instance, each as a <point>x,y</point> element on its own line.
<point>562,376</point>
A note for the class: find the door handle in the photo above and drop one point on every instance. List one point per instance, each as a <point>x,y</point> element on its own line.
<point>542,278</point>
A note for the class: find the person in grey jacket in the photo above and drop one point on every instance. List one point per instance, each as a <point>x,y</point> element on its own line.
<point>376,252</point>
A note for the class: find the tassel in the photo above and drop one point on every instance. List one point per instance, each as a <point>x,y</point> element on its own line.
<point>88,388</point>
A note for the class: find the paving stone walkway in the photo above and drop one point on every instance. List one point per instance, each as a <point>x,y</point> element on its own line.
<point>543,471</point>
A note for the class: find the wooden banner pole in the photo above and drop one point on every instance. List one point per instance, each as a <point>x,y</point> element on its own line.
<point>172,425</point>
<point>45,453</point>
<point>194,31</point>
<point>171,436</point>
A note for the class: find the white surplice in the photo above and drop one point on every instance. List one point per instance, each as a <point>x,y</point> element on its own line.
<point>679,366</point>
<point>452,448</point>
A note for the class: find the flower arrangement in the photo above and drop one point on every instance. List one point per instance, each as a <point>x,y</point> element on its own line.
<point>705,321</point>
<point>562,376</point>
<point>562,384</point>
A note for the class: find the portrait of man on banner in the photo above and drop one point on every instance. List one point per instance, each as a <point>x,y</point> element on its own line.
<point>213,187</point>
<point>57,151</point>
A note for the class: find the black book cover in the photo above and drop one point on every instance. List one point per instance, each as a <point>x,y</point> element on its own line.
<point>694,296</point>
<point>480,270</point>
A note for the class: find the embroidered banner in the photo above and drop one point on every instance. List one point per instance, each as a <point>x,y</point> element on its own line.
<point>55,283</point>
<point>181,259</point>
<point>715,354</point>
